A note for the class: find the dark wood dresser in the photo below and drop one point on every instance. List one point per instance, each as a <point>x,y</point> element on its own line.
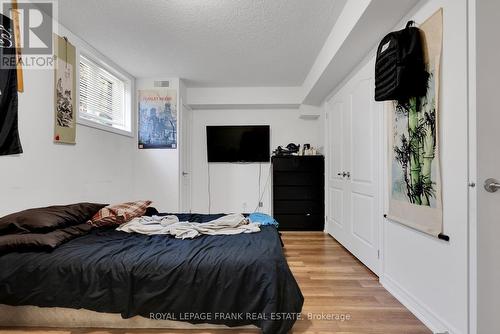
<point>299,192</point>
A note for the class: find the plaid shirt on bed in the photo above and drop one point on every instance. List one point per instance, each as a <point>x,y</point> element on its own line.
<point>119,214</point>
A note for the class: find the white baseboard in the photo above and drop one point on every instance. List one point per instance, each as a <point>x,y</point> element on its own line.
<point>419,309</point>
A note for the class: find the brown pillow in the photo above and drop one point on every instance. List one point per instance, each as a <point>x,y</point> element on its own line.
<point>48,219</point>
<point>119,214</point>
<point>41,242</point>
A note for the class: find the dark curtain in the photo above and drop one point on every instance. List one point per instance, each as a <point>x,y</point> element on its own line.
<point>9,133</point>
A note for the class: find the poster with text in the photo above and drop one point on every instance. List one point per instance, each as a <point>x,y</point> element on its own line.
<point>158,119</point>
<point>414,165</point>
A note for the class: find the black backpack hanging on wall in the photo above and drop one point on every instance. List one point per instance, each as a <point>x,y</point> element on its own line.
<point>400,67</point>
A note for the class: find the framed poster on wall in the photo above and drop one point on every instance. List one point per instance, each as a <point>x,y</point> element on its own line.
<point>65,91</point>
<point>158,119</point>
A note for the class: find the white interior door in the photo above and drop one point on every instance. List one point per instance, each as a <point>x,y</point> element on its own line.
<point>354,126</point>
<point>185,158</point>
<point>338,189</point>
<point>488,165</point>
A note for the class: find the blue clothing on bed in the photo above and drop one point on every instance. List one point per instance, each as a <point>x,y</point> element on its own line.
<point>262,219</point>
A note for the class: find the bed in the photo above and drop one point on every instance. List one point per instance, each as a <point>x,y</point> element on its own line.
<point>234,280</point>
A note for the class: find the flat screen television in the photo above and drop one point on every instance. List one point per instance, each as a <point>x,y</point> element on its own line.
<point>238,143</point>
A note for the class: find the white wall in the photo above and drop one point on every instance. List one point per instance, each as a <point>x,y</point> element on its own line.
<point>429,275</point>
<point>225,97</point>
<point>157,170</point>
<point>97,169</point>
<point>233,185</point>
<point>102,167</point>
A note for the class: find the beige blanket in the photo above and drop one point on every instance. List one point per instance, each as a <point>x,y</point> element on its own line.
<point>226,225</point>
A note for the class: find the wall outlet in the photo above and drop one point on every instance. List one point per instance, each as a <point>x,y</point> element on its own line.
<point>244,206</point>
<point>261,205</point>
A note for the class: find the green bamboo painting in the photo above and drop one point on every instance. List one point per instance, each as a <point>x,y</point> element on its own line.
<point>413,177</point>
<point>415,187</point>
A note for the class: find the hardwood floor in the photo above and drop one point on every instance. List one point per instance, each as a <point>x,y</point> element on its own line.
<point>335,285</point>
<point>333,281</point>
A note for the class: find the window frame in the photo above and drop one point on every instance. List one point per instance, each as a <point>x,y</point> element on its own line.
<point>128,98</point>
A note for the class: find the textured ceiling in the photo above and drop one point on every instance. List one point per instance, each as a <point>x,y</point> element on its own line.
<point>207,42</point>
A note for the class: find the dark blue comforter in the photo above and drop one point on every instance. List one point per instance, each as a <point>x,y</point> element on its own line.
<point>233,280</point>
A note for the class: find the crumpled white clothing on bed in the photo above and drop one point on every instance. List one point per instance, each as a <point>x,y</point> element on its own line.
<point>226,225</point>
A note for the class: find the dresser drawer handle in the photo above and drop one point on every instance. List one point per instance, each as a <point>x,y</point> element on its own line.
<point>308,215</point>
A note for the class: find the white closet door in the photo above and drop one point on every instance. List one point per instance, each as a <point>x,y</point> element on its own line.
<point>338,191</point>
<point>354,203</point>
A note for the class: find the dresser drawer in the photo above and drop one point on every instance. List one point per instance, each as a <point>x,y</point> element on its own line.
<point>300,222</point>
<point>298,179</point>
<point>299,164</point>
<point>298,207</point>
<point>311,193</point>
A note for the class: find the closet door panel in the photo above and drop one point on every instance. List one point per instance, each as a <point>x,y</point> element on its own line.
<point>362,218</point>
<point>364,172</point>
<point>362,168</point>
<point>337,207</point>
<point>337,153</point>
<point>354,147</point>
<point>336,144</point>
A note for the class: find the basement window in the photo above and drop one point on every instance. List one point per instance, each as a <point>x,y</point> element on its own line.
<point>105,97</point>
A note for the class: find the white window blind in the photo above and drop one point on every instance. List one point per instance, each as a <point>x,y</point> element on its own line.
<point>102,96</point>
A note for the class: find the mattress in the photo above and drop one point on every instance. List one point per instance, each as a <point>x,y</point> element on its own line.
<point>234,280</point>
<point>57,317</point>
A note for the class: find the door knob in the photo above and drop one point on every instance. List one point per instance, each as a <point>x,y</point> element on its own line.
<point>348,174</point>
<point>491,185</point>
<point>185,173</point>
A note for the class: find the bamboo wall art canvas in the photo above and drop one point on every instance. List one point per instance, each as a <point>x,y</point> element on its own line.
<point>414,165</point>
